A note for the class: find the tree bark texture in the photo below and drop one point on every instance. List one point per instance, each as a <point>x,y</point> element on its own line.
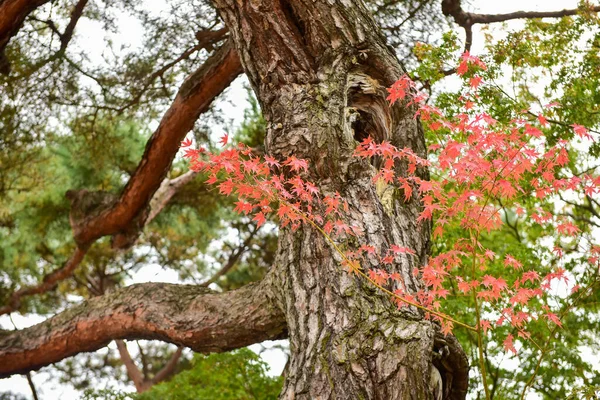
<point>320,69</point>
<point>186,315</point>
<point>311,63</point>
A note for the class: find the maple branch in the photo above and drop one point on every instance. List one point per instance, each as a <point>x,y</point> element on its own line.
<point>12,15</point>
<point>186,315</point>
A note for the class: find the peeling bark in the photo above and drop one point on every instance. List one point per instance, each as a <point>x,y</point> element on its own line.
<point>186,315</point>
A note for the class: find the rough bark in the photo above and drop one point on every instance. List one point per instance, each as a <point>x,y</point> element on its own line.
<point>310,63</point>
<point>190,316</point>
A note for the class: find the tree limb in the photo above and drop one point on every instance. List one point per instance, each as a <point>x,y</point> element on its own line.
<point>12,15</point>
<point>48,283</point>
<point>127,215</point>
<point>466,20</point>
<point>186,315</point>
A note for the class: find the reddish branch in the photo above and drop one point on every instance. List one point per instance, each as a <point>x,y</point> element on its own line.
<point>193,98</point>
<point>466,19</point>
<point>12,15</point>
<point>127,216</point>
<point>186,315</point>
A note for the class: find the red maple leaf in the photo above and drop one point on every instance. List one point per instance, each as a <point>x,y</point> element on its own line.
<point>260,219</point>
<point>224,139</point>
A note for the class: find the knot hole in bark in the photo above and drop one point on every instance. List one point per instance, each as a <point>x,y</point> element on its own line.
<point>367,110</point>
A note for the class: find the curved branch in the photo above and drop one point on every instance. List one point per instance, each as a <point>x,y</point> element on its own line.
<point>187,315</point>
<point>127,215</point>
<point>48,283</point>
<point>12,15</point>
<point>466,20</point>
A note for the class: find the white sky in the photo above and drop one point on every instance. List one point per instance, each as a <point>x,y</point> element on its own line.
<point>232,107</point>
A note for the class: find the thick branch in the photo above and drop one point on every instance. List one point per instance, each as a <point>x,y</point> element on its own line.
<point>127,215</point>
<point>12,15</point>
<point>186,315</point>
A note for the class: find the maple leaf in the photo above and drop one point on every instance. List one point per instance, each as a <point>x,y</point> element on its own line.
<point>554,318</point>
<point>224,139</point>
<point>475,81</point>
<point>243,207</point>
<point>508,344</point>
<point>296,164</point>
<point>462,69</point>
<point>271,162</point>
<point>378,276</point>
<point>186,143</point>
<point>401,250</point>
<point>511,261</point>
<point>485,325</point>
<point>260,219</point>
<point>567,228</point>
<point>226,187</point>
<point>581,131</point>
<point>542,120</point>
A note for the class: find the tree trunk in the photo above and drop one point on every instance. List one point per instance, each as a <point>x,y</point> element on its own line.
<point>312,64</point>
<point>320,69</point>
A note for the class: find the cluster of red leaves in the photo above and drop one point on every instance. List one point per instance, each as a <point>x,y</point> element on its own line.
<point>494,161</point>
<point>492,164</point>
